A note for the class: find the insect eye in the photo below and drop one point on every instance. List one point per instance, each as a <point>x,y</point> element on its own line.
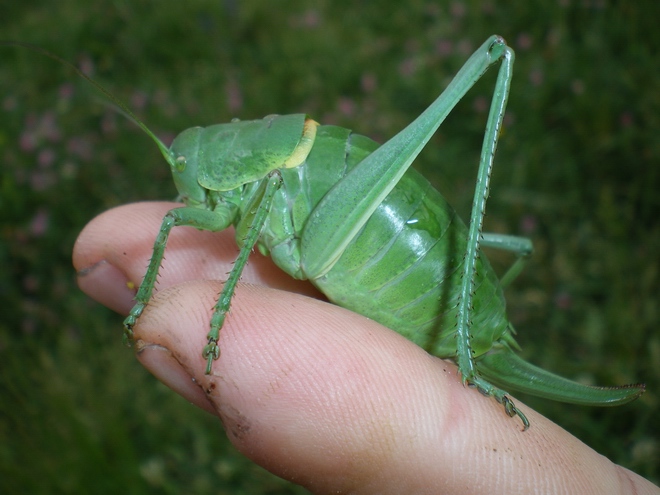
<point>180,164</point>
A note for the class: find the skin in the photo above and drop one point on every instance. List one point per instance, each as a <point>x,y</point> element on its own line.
<point>319,395</point>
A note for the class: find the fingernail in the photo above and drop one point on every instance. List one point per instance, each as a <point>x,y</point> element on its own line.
<point>108,285</point>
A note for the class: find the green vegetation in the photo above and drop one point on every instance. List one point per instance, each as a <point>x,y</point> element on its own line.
<point>577,171</point>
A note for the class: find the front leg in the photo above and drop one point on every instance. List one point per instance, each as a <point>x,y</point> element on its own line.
<point>184,216</point>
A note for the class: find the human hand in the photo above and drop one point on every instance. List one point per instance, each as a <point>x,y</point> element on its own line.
<point>316,394</point>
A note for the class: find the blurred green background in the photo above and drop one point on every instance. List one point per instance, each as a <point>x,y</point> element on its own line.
<point>577,171</point>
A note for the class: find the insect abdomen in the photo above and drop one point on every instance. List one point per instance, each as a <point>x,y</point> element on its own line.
<point>403,270</point>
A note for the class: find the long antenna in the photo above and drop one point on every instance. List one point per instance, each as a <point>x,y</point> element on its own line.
<point>163,149</point>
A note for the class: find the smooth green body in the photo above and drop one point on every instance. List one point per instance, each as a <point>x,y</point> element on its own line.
<point>372,234</point>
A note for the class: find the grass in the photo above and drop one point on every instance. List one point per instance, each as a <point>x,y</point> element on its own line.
<point>577,171</point>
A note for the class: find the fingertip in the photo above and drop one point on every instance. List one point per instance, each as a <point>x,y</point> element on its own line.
<point>108,285</point>
<point>164,365</point>
<point>110,254</point>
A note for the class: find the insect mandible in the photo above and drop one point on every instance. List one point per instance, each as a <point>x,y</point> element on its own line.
<point>353,218</point>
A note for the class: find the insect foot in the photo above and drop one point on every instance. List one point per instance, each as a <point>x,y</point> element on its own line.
<point>512,410</point>
<point>211,352</point>
<point>130,322</point>
<point>500,396</point>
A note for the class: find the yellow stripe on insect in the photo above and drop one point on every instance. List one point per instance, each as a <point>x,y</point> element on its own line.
<point>301,152</point>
